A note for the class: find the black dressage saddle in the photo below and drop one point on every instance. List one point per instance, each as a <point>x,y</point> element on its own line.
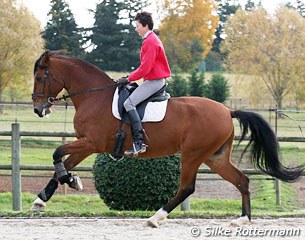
<point>124,92</point>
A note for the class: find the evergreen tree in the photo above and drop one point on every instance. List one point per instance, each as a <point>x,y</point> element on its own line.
<point>177,87</point>
<point>132,41</point>
<point>218,88</point>
<point>289,5</point>
<point>61,31</point>
<point>226,8</point>
<point>108,36</point>
<point>197,86</point>
<point>301,7</point>
<point>196,50</point>
<point>116,44</point>
<point>250,5</point>
<point>213,61</point>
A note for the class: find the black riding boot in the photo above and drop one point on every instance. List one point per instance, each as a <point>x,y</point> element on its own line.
<point>138,134</point>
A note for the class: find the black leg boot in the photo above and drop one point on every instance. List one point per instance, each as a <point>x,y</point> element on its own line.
<point>138,134</point>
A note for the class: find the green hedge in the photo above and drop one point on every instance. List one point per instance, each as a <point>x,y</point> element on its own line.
<point>136,184</point>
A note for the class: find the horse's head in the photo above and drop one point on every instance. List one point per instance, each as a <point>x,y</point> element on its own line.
<point>47,84</point>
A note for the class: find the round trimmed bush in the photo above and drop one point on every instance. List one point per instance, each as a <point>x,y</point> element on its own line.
<point>136,184</point>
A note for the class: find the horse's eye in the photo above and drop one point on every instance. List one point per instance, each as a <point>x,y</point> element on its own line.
<point>39,79</point>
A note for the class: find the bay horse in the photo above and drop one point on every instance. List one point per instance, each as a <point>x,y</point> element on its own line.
<point>200,129</point>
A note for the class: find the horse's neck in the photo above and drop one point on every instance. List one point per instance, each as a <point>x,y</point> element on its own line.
<point>82,83</point>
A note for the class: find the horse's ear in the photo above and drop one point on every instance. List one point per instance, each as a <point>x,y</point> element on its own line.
<point>45,58</point>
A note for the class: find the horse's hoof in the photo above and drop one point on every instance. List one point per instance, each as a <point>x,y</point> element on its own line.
<point>160,215</point>
<point>36,208</point>
<point>76,183</point>
<point>151,222</point>
<point>244,220</point>
<point>38,205</point>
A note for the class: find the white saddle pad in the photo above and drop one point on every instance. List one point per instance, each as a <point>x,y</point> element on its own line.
<point>154,112</point>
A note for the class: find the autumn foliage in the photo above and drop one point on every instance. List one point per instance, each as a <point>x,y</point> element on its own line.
<point>270,47</point>
<point>185,24</point>
<point>20,45</point>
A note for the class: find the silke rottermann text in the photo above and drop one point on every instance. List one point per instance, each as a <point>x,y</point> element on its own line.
<point>251,232</point>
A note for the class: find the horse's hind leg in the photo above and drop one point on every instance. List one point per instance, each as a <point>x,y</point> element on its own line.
<point>221,164</point>
<point>189,170</point>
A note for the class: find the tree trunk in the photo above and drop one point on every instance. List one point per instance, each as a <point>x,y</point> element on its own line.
<point>279,102</point>
<point>1,106</point>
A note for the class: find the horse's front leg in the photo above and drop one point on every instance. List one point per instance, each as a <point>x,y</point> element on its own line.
<point>78,151</point>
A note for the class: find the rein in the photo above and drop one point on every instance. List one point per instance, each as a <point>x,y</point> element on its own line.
<point>65,97</point>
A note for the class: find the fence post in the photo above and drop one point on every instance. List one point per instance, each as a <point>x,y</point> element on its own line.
<point>277,183</point>
<point>277,191</point>
<point>185,205</point>
<point>16,175</point>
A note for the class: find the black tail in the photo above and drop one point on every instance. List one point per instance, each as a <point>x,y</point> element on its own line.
<point>265,154</point>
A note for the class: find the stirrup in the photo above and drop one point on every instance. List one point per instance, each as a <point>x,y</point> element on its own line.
<point>134,152</point>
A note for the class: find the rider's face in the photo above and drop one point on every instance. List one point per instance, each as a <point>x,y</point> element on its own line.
<point>140,29</point>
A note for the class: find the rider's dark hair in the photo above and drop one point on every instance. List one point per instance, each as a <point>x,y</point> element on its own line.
<point>145,19</point>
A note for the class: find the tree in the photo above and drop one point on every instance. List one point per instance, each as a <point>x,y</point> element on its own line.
<point>218,88</point>
<point>250,5</point>
<point>214,59</point>
<point>132,41</point>
<point>197,85</point>
<point>269,47</point>
<point>115,43</point>
<point>184,22</point>
<point>20,45</point>
<point>108,37</point>
<point>61,31</point>
<point>226,8</point>
<point>196,51</point>
<point>177,86</point>
<point>299,6</point>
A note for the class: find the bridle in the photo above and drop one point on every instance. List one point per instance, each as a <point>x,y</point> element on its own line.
<point>46,84</point>
<point>52,100</point>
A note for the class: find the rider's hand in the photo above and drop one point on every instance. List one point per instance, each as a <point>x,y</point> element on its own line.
<point>122,80</point>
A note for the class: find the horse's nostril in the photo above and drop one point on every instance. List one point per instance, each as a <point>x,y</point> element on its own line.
<point>36,111</point>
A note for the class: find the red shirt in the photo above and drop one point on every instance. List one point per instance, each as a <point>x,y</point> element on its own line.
<point>154,64</point>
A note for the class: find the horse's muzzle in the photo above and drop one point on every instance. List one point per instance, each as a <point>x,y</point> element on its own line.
<point>42,111</point>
